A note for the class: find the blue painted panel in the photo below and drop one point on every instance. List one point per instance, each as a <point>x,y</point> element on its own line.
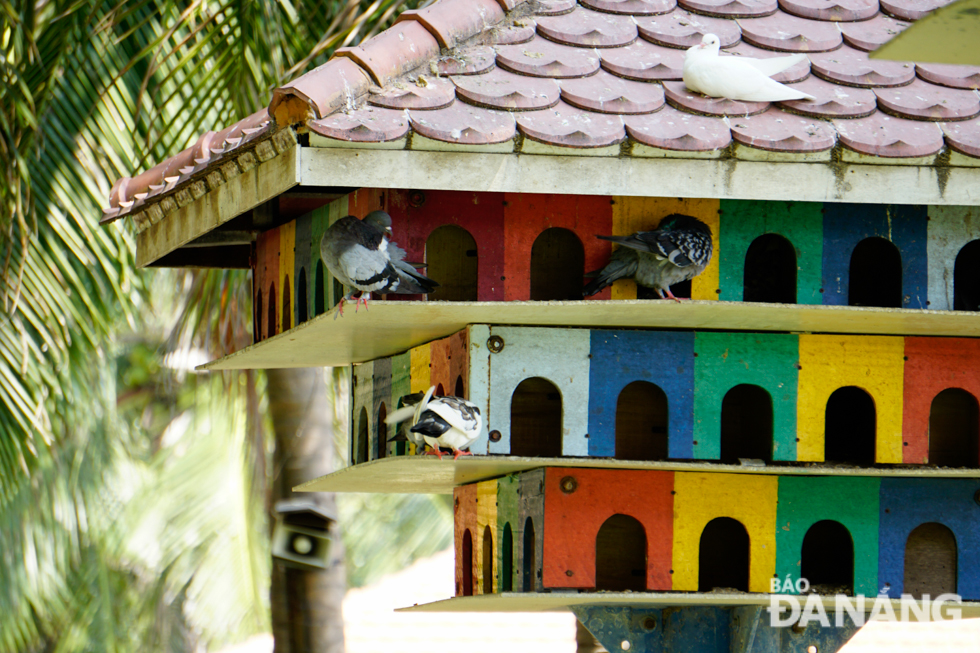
<point>910,502</point>
<point>845,225</point>
<point>665,358</point>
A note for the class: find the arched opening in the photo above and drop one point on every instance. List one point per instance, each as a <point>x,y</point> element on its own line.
<point>302,298</point>
<point>850,426</point>
<point>746,424</point>
<point>557,265</point>
<point>382,431</point>
<point>875,277</point>
<point>723,556</point>
<point>954,420</point>
<point>966,278</point>
<point>506,582</point>
<point>259,334</point>
<point>770,271</point>
<point>467,563</point>
<point>451,259</point>
<point>439,391</point>
<point>487,561</point>
<point>528,566</point>
<point>459,390</point>
<point>930,561</point>
<point>535,419</point>
<point>271,324</point>
<point>319,291</point>
<point>287,305</point>
<point>621,555</point>
<point>641,422</point>
<point>827,558</point>
<point>338,292</point>
<point>361,444</point>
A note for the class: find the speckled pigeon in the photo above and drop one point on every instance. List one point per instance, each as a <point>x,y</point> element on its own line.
<point>737,78</point>
<point>678,250</point>
<point>442,422</point>
<point>360,255</point>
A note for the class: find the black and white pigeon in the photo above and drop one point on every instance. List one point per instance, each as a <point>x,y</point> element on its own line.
<point>442,422</point>
<point>361,255</point>
<point>678,250</point>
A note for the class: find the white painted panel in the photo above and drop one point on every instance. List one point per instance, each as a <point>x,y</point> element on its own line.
<point>479,381</point>
<point>559,355</point>
<point>950,228</point>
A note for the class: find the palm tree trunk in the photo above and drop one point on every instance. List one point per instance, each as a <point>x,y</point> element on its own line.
<point>307,615</point>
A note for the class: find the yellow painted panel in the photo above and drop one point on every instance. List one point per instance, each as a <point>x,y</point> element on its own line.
<point>486,515</point>
<point>701,497</point>
<point>873,363</point>
<point>421,372</point>
<point>632,214</point>
<point>287,267</point>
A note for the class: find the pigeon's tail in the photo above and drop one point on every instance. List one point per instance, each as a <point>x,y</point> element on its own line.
<point>622,265</point>
<point>411,282</point>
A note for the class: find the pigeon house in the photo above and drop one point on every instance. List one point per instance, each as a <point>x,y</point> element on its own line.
<point>804,419</point>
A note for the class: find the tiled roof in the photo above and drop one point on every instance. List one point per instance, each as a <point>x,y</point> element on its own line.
<point>516,75</point>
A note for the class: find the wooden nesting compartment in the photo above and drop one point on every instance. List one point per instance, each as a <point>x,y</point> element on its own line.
<point>686,395</point>
<point>655,531</point>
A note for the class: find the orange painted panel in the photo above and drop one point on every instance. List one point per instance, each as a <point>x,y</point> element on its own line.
<point>364,200</point>
<point>931,366</point>
<point>464,517</point>
<point>526,216</point>
<point>572,521</point>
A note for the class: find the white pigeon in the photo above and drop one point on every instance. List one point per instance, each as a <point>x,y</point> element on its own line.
<point>443,422</point>
<point>737,78</point>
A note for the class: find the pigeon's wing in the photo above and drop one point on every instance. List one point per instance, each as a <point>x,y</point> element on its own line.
<point>431,424</point>
<point>622,265</point>
<point>773,65</point>
<point>459,413</point>
<point>736,79</point>
<point>681,247</point>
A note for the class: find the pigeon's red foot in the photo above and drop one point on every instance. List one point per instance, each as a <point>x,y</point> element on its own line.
<point>362,298</point>
<point>670,295</point>
<point>433,452</point>
<point>460,452</point>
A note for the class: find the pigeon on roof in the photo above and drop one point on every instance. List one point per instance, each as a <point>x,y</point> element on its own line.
<point>737,78</point>
<point>678,250</point>
<point>360,255</point>
<point>443,422</point>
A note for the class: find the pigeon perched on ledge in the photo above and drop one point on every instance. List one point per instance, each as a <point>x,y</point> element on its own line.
<point>442,422</point>
<point>737,78</point>
<point>360,255</point>
<point>678,250</point>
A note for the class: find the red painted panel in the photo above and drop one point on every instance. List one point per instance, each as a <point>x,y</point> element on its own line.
<point>266,275</point>
<point>464,516</point>
<point>526,216</point>
<point>572,521</point>
<point>416,214</point>
<point>933,365</point>
<point>364,200</point>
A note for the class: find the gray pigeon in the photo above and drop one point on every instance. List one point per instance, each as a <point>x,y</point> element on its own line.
<point>360,255</point>
<point>678,250</point>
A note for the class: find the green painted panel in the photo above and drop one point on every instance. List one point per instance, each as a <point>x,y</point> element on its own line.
<point>853,502</point>
<point>725,360</point>
<point>508,512</point>
<point>742,221</point>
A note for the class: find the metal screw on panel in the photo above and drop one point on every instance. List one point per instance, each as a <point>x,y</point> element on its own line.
<point>649,623</point>
<point>569,573</point>
<point>416,199</point>
<point>568,484</point>
<point>495,344</point>
<point>495,436</point>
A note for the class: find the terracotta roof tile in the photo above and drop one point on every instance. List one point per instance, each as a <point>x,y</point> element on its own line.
<point>883,135</point>
<point>788,33</point>
<point>571,127</point>
<point>513,34</point>
<point>464,124</point>
<point>455,21</point>
<point>671,129</point>
<point>365,125</point>
<point>833,10</point>
<point>683,29</point>
<point>589,29</point>
<point>606,93</point>
<point>924,101</point>
<point>334,85</point>
<point>853,68</point>
<point>870,34</point>
<point>644,61</point>
<point>795,73</point>
<point>778,131</point>
<point>397,50</point>
<point>544,58</point>
<point>681,98</point>
<point>952,76</point>
<point>731,8</point>
<point>964,137</point>
<point>469,61</point>
<point>554,7</point>
<point>631,7</point>
<point>833,100</point>
<point>507,5</point>
<point>911,9</point>
<point>426,93</point>
<point>500,89</point>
